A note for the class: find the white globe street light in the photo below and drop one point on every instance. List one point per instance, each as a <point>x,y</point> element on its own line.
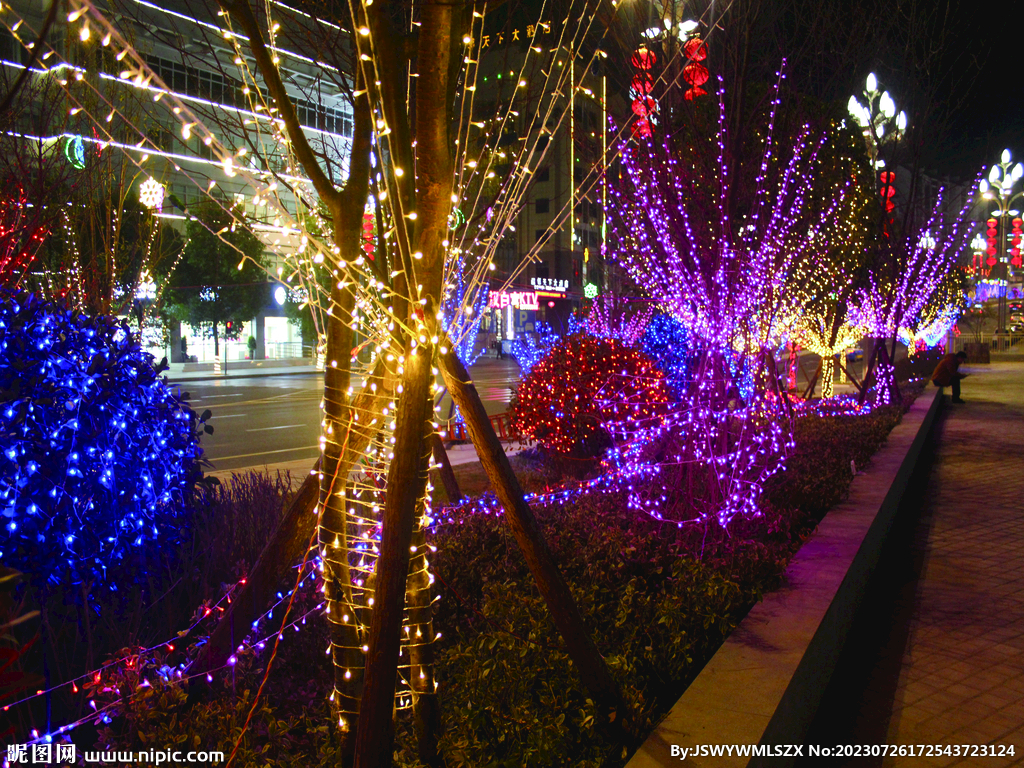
<point>877,118</point>
<point>1002,178</point>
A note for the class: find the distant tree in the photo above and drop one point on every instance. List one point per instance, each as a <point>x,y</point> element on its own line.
<point>207,287</point>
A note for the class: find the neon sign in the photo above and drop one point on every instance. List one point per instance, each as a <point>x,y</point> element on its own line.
<point>547,286</point>
<point>517,299</point>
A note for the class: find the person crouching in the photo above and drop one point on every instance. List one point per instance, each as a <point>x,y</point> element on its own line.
<point>947,373</point>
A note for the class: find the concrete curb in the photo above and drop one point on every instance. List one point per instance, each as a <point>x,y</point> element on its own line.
<point>764,684</point>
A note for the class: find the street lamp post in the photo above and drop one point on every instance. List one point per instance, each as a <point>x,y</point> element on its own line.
<point>877,118</point>
<point>1002,178</point>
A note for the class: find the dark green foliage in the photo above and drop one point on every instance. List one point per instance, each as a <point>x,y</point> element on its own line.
<point>226,531</point>
<point>818,473</point>
<point>207,286</point>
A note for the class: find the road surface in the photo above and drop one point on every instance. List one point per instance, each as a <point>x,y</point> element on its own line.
<point>274,419</point>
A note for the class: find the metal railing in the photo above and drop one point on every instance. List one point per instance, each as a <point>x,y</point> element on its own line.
<point>502,424</point>
<point>238,351</point>
<point>1012,343</point>
<point>282,350</point>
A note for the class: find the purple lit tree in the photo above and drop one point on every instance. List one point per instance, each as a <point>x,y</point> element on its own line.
<point>908,272</point>
<point>614,317</point>
<point>735,266</point>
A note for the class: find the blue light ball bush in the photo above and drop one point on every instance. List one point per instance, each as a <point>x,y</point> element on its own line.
<point>100,456</point>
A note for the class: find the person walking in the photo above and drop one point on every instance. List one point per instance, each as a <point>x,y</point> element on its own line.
<point>947,373</point>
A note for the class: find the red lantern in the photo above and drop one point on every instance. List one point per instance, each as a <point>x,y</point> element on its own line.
<point>695,49</point>
<point>642,129</point>
<point>367,238</point>
<point>695,74</point>
<point>643,85</point>
<point>645,107</point>
<point>888,179</point>
<point>644,59</point>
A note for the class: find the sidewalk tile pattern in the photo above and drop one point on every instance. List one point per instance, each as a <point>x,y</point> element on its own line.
<point>962,677</point>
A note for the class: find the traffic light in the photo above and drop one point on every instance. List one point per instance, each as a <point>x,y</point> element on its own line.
<point>229,325</point>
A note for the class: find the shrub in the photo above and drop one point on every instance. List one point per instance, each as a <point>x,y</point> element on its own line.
<point>669,344</point>
<point>101,455</point>
<point>818,472</point>
<point>582,387</point>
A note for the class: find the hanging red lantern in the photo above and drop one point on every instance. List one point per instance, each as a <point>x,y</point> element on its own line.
<point>644,59</point>
<point>645,107</point>
<point>642,129</point>
<point>695,49</point>
<point>643,104</point>
<point>888,179</point>
<point>695,74</point>
<point>643,85</point>
<point>367,238</point>
<point>992,234</point>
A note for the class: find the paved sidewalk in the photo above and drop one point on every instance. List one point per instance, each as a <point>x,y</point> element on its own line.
<point>961,680</point>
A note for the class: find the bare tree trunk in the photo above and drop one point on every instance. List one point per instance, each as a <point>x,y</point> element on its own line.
<point>444,468</point>
<point>581,649</point>
<point>293,536</point>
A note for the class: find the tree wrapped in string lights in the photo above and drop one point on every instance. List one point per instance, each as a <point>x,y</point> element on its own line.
<point>615,317</point>
<point>732,254</point>
<point>939,316</point>
<point>904,279</point>
<point>462,310</point>
<point>670,345</point>
<point>826,335</point>
<point>413,154</point>
<point>528,349</point>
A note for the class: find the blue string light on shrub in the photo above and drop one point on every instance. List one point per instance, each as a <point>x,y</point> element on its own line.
<point>670,345</point>
<point>527,349</point>
<point>100,456</point>
<point>461,320</point>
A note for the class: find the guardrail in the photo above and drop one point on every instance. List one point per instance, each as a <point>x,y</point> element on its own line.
<point>502,424</point>
<point>997,342</point>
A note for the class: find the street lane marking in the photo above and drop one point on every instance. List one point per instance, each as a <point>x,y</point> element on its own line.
<point>316,395</point>
<point>230,416</point>
<point>283,426</point>
<point>261,453</point>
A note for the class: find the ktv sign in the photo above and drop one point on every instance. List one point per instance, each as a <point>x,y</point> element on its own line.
<point>517,299</point>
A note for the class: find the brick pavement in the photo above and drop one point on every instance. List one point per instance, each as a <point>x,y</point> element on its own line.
<point>962,675</point>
